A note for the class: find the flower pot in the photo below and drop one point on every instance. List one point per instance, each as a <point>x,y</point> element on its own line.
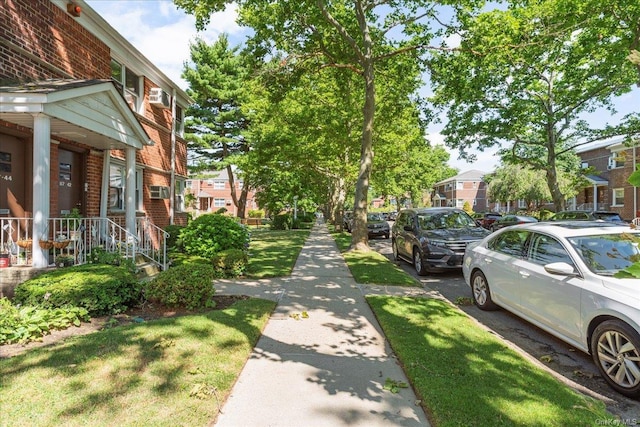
<point>5,261</point>
<point>46,244</point>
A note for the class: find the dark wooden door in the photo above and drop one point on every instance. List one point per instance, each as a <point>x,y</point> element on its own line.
<point>70,174</point>
<point>13,171</point>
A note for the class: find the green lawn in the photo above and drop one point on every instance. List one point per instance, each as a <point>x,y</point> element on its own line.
<point>165,372</point>
<point>466,376</point>
<point>371,267</point>
<point>273,253</point>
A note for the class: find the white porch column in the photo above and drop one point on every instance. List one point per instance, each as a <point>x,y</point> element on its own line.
<point>130,190</point>
<point>595,197</point>
<point>41,192</point>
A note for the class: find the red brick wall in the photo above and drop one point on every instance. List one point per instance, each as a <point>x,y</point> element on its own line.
<point>52,37</point>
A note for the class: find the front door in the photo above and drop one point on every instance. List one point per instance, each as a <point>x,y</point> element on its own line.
<point>13,170</point>
<point>70,175</point>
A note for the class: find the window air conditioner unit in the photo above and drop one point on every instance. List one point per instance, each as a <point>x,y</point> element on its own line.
<point>158,192</point>
<point>159,97</point>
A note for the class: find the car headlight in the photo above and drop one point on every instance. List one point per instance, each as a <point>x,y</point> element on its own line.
<point>439,243</point>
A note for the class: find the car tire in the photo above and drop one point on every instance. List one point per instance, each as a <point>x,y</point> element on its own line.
<point>394,249</point>
<point>418,264</point>
<point>481,292</point>
<point>615,348</point>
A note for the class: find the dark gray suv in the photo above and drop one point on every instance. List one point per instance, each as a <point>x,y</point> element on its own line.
<point>434,239</point>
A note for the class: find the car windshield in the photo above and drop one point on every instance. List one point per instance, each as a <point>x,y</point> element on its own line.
<point>374,217</point>
<point>445,220</point>
<point>607,216</point>
<point>607,254</point>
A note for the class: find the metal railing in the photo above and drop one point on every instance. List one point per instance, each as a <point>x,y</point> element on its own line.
<point>69,241</point>
<point>152,241</point>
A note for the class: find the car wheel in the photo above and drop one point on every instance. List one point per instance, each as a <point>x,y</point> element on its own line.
<point>615,347</point>
<point>481,292</point>
<point>418,264</point>
<point>394,248</point>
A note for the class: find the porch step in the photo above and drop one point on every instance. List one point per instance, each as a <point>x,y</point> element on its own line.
<point>146,269</point>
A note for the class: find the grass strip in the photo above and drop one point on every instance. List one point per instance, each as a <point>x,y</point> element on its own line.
<point>466,376</point>
<point>167,372</point>
<point>273,253</point>
<point>372,267</point>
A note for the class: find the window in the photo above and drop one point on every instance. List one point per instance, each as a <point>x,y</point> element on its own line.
<point>179,195</point>
<point>475,184</point>
<point>218,185</point>
<point>618,197</point>
<point>117,184</point>
<point>218,203</point>
<point>510,243</point>
<point>179,120</point>
<point>546,249</point>
<point>128,82</point>
<point>460,203</point>
<point>522,204</point>
<point>459,185</point>
<point>617,160</point>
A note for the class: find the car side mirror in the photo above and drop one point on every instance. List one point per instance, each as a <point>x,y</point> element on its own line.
<point>561,268</point>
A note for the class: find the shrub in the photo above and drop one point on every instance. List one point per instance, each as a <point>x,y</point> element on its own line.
<point>187,285</point>
<point>282,222</point>
<point>99,255</point>
<point>173,241</point>
<point>256,213</point>
<point>209,234</point>
<point>101,289</point>
<point>24,324</point>
<point>230,263</point>
<point>179,258</point>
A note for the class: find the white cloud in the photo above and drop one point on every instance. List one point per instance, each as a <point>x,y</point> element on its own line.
<point>162,32</point>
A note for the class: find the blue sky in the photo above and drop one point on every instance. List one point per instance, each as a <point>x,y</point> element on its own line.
<point>162,33</point>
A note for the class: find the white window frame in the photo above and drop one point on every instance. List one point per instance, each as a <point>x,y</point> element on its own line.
<point>120,205</point>
<point>459,203</point>
<point>179,120</point>
<point>459,185</point>
<point>134,95</point>
<point>179,188</point>
<point>219,202</point>
<point>218,185</point>
<point>615,197</point>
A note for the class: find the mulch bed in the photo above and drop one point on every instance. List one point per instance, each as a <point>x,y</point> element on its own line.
<point>148,311</point>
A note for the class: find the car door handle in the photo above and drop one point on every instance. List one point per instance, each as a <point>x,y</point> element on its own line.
<point>523,273</point>
<point>488,260</point>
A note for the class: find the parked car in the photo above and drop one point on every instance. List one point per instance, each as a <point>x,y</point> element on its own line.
<point>560,277</point>
<point>485,219</point>
<point>433,239</point>
<point>377,226</point>
<point>509,219</point>
<point>393,215</point>
<point>587,216</point>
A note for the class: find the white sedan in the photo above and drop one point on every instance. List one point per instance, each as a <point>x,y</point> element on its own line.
<point>560,277</point>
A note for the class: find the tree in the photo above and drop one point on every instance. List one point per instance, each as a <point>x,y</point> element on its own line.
<point>216,125</point>
<point>522,78</point>
<point>357,35</point>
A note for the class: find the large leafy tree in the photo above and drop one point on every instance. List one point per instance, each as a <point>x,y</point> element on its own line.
<point>218,77</point>
<point>358,36</point>
<point>522,79</point>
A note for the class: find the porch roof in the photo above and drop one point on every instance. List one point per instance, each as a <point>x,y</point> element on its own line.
<point>596,180</point>
<point>91,112</point>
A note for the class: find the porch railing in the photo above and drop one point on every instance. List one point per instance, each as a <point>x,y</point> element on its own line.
<point>69,241</point>
<point>591,207</point>
<point>152,241</point>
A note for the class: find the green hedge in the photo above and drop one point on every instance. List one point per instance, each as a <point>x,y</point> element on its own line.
<point>187,285</point>
<point>209,234</point>
<point>100,289</point>
<point>230,263</point>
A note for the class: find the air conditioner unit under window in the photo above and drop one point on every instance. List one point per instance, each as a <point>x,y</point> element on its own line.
<point>158,192</point>
<point>157,96</point>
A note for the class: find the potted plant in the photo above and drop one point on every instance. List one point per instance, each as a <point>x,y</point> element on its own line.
<point>73,221</point>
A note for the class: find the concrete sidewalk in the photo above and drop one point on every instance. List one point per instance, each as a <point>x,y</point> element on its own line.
<point>327,369</point>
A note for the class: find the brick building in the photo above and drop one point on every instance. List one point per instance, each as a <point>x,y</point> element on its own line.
<point>87,123</point>
<point>465,187</point>
<point>612,162</point>
<point>214,193</point>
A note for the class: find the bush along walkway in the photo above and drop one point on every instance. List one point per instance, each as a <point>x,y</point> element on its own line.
<point>321,359</point>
